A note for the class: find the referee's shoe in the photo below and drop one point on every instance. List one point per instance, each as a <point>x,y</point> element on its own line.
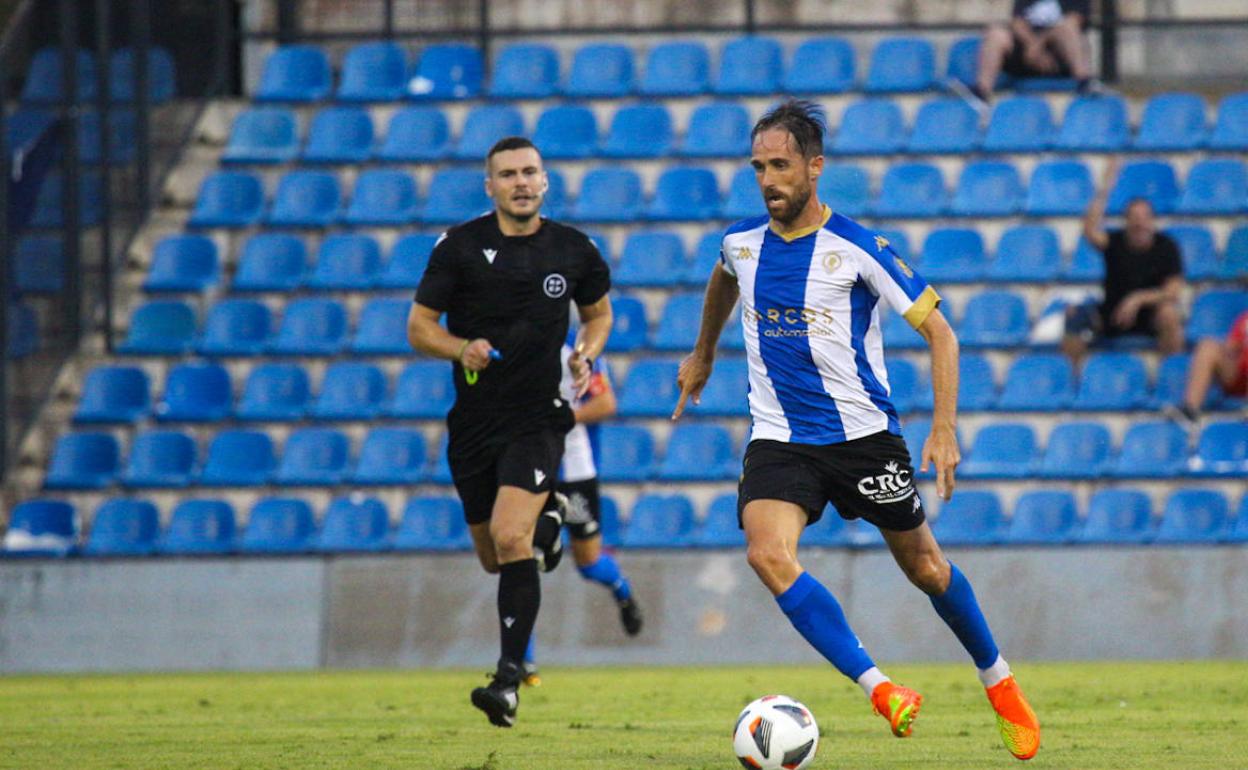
<point>548,535</point>
<point>500,698</point>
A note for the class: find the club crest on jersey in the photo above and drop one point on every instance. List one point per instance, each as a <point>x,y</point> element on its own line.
<point>832,260</point>
<point>903,267</point>
<point>555,286</point>
<point>891,486</point>
<point>490,254</point>
<point>880,242</point>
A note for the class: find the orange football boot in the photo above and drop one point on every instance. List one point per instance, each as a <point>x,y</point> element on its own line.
<point>1020,730</point>
<point>899,705</point>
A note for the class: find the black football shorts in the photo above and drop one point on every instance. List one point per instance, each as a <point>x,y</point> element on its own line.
<point>584,515</point>
<point>530,461</point>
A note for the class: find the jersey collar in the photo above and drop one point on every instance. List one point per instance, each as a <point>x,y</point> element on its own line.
<point>805,231</point>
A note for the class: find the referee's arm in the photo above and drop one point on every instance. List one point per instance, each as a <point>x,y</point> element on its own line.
<point>426,335</point>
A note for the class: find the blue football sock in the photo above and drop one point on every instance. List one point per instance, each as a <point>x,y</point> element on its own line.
<point>960,611</point>
<point>530,652</point>
<point>607,572</point>
<point>818,617</point>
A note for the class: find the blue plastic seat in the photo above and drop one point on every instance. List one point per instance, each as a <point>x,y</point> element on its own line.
<point>416,135</point>
<point>705,256</point>
<point>718,129</point>
<point>295,73</point>
<point>239,458</point>
<point>1117,516</point>
<point>945,125</point>
<point>1001,451</point>
<point>821,65</point>
<point>1076,450</point>
<point>971,518</point>
<point>749,66</point>
<point>236,327</point>
<point>899,335</point>
<point>346,262</point>
<point>650,258</point>
<point>423,391</point>
<point>1235,261</point>
<point>183,263</point>
<point>905,382</point>
<point>41,528</point>
<point>659,521</point>
<point>1200,254</point>
<point>1150,179</point>
<point>228,199</point>
<point>274,392</point>
<point>1086,264</point>
<point>1154,449</point>
<point>408,259</point>
<point>627,453</point>
<point>868,127</point>
<point>1171,382</point>
<point>1038,382</point>
<point>987,188</point>
<point>1112,381</point>
<point>677,329</point>
<point>639,131</point>
<point>354,524</point>
<point>566,131</point>
<point>720,528</point>
<point>1059,188</point>
<point>195,392</point>
<point>1215,187</point>
<point>382,328</point>
<point>456,194</point>
<point>953,255</point>
<point>120,137</point>
<point>311,327</point>
<point>383,197</point>
<point>629,330</point>
<point>962,61</point>
<point>1042,517</point>
<point>601,71</point>
<point>994,319</point>
<point>271,262</point>
<point>699,452</point>
<point>727,392</point>
<point>305,199</point>
<point>1094,124</point>
<point>83,461</point>
<point>1019,124</point>
<point>744,200</point>
<point>391,456</point>
<point>650,390</point>
<point>39,265</point>
<point>680,68</point>
<point>525,71</point>
<point>339,135</point>
<point>977,389</point>
<point>313,456</point>
<point>1214,311</point>
<point>373,72</point>
<point>901,64</point>
<point>439,467</point>
<point>1027,254</point>
<point>50,213</point>
<point>433,524</point>
<point>44,78</point>
<point>1239,529</point>
<point>911,190</point>
<point>199,527</point>
<point>484,126</point>
<point>555,199</point>
<point>608,195</point>
<point>160,327</point>
<point>900,243</point>
<point>685,192</point>
<point>160,458</point>
<point>1194,516</point>
<point>1222,450</point>
<point>1230,132</point>
<point>447,71</point>
<point>278,525</point>
<point>350,391</point>
<point>845,187</point>
<point>1171,123</point>
<point>123,75</point>
<point>113,394</point>
<point>123,527</point>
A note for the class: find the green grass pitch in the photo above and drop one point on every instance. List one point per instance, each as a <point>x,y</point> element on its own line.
<point>1118,715</point>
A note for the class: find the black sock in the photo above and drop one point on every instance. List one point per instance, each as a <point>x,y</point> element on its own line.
<point>519,597</point>
<point>547,529</point>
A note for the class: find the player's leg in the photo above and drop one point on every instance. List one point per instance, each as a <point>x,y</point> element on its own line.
<point>1167,322</point>
<point>1207,361</point>
<point>483,544</point>
<point>584,515</point>
<point>1065,39</point>
<point>996,44</point>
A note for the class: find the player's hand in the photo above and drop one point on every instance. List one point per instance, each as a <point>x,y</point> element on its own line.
<point>694,371</point>
<point>941,448</point>
<point>476,355</point>
<point>1127,312</point>
<point>581,369</point>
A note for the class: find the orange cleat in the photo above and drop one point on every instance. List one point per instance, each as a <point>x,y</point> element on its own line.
<point>899,705</point>
<point>1020,730</point>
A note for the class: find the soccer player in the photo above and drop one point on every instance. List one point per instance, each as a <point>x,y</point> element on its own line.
<point>505,281</point>
<point>823,428</point>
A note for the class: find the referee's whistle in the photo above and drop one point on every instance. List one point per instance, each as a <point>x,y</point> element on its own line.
<point>496,355</point>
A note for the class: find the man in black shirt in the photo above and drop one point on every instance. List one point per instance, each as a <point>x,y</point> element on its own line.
<point>504,281</point>
<point>1043,39</point>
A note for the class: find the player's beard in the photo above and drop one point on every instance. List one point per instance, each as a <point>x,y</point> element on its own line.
<point>793,205</point>
<point>523,216</point>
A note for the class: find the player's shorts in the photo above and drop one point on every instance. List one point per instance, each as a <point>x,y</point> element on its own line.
<point>530,461</point>
<point>584,514</point>
<point>868,478</point>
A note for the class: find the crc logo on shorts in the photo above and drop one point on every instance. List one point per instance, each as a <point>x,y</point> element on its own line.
<point>555,286</point>
<point>891,486</point>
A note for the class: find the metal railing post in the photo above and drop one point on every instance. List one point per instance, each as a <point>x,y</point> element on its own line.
<point>1109,41</point>
<point>103,102</point>
<point>70,182</point>
<point>141,40</point>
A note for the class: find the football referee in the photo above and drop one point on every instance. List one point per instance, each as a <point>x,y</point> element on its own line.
<point>504,281</point>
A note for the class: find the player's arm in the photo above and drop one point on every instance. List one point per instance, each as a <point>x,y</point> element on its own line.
<point>941,447</point>
<point>600,406</point>
<point>1094,218</point>
<point>596,320</point>
<point>695,370</point>
<point>426,335</point>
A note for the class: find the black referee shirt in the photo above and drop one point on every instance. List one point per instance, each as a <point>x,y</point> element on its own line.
<point>514,292</point>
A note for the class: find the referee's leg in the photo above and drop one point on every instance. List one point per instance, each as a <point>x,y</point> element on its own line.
<point>512,522</point>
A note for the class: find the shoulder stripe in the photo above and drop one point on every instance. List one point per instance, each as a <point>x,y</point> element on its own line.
<point>745,225</point>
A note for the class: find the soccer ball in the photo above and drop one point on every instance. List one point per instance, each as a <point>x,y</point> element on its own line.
<point>775,732</point>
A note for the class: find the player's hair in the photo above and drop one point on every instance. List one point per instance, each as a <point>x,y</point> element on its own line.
<point>508,143</point>
<point>804,121</point>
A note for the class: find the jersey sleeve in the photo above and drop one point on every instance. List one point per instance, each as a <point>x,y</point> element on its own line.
<point>596,280</point>
<point>437,286</point>
<point>724,261</point>
<point>904,290</point>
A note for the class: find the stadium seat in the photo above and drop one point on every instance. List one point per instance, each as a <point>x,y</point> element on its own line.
<point>1215,187</point>
<point>228,199</point>
<point>678,326</point>
<point>911,190</point>
<point>391,456</point>
<point>627,453</point>
<point>525,71</point>
<point>433,524</point>
<point>416,135</point>
<point>845,187</point>
<point>1230,132</point>
<point>555,200</point>
<point>994,319</point>
<point>160,458</point>
<point>278,525</point>
<point>373,72</point>
<point>123,75</point>
<point>44,78</point>
<point>1117,516</point>
<point>718,129</point>
<point>699,452</point>
<point>49,211</point>
<point>1026,254</point>
<point>1214,311</point>
<point>1112,381</point>
<point>972,517</point>
<point>650,258</point>
<point>123,527</point>
<point>629,330</point>
<point>821,65</point>
<point>199,527</point>
<point>296,73</point>
<point>382,328</point>
<point>271,262</point>
<point>274,392</point>
<point>83,461</point>
<point>439,468</point>
<point>423,391</point>
<point>1042,517</point>
<point>350,391</point>
<point>346,262</point>
<point>945,125</point>
<point>1086,265</point>
<point>954,255</point>
<point>727,392</point>
<point>339,135</point>
<point>679,68</point>
<point>706,254</point>
<point>39,265</point>
<point>41,528</point>
<point>447,71</point>
<point>743,199</point>
<point>160,327</point>
<point>1238,531</point>
<point>868,127</point>
<point>899,335</point>
<point>987,188</point>
<point>567,131</point>
<point>650,389</point>
<point>305,199</point>
<point>1019,124</point>
<point>455,194</point>
<point>1094,124</point>
<point>639,131</point>
<point>750,66</point>
<point>1150,179</point>
<point>195,392</point>
<point>354,523</point>
<point>1172,123</point>
<point>383,197</point>
<point>236,327</point>
<point>600,71</point>
<point>900,243</point>
<point>1076,450</point>
<point>1222,450</point>
<point>263,135</point>
<point>659,521</point>
<point>685,192</point>
<point>311,327</point>
<point>484,126</point>
<point>608,195</point>
<point>1038,382</point>
<point>1194,516</point>
<point>1200,255</point>
<point>313,457</point>
<point>239,458</point>
<point>408,259</point>
<point>1235,261</point>
<point>901,64</point>
<point>1001,451</point>
<point>1155,449</point>
<point>113,394</point>
<point>720,528</point>
<point>183,263</point>
<point>905,383</point>
<point>977,390</point>
<point>1171,381</point>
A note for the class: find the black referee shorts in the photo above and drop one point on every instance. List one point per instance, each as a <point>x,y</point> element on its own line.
<point>868,478</point>
<point>530,461</point>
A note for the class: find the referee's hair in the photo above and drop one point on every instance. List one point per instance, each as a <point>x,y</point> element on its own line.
<point>508,143</point>
<point>804,121</point>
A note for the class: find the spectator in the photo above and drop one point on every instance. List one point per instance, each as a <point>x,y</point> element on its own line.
<point>1043,39</point>
<point>1227,360</point>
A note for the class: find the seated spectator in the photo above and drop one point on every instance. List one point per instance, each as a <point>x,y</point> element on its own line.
<point>1226,360</point>
<point>1043,39</point>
